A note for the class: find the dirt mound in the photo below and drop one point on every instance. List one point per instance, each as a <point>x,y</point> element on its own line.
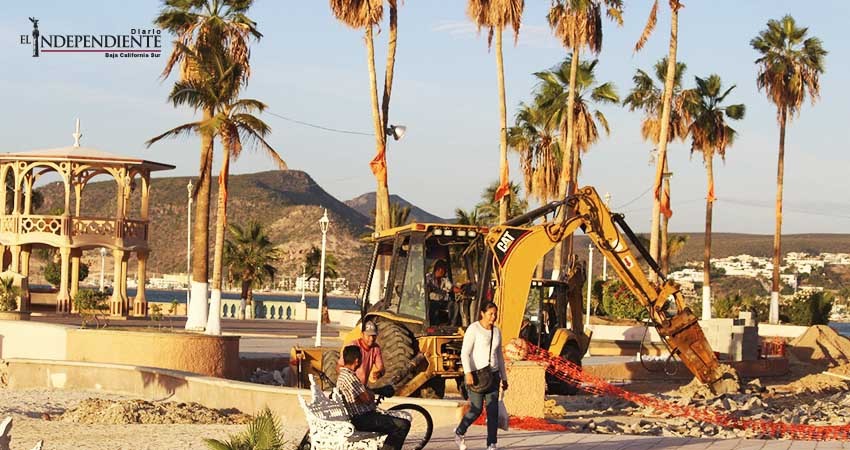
<point>816,383</point>
<point>821,342</point>
<point>99,411</point>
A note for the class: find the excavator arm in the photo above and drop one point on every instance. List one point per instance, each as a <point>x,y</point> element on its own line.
<point>516,251</point>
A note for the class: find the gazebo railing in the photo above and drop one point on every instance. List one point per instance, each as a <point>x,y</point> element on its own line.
<point>79,226</point>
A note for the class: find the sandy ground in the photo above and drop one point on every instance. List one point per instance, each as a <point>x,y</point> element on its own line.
<point>31,408</point>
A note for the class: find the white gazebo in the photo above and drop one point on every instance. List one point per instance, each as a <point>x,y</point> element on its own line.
<point>124,233</point>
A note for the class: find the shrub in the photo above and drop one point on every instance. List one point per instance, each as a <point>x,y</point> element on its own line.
<point>810,308</point>
<point>619,302</point>
<point>53,272</point>
<point>263,433</point>
<point>9,295</point>
<point>91,304</point>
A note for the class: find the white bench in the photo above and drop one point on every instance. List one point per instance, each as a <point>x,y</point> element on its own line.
<point>330,427</point>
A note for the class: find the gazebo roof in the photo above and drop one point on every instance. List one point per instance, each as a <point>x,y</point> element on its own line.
<point>84,155</point>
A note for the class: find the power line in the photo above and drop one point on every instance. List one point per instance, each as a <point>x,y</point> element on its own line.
<point>320,127</point>
<point>634,199</point>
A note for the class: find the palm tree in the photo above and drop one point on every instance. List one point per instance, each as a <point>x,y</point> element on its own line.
<point>313,262</point>
<point>205,25</point>
<point>263,433</point>
<point>666,106</point>
<point>577,24</point>
<point>710,134</point>
<point>217,85</point>
<point>367,14</point>
<point>489,209</point>
<point>495,16</point>
<point>533,138</point>
<point>646,96</point>
<point>552,95</point>
<point>675,245</point>
<point>470,217</point>
<point>399,215</point>
<point>249,255</point>
<point>789,69</point>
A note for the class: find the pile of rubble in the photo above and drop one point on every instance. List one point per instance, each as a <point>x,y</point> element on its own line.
<point>818,398</point>
<point>752,402</point>
<point>101,411</point>
<point>272,378</point>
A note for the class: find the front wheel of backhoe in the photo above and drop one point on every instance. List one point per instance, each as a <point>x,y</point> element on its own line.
<point>397,349</point>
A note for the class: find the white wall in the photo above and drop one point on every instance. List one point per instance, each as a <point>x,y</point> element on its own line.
<point>36,340</point>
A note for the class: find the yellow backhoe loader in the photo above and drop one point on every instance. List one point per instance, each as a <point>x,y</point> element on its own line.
<point>496,263</point>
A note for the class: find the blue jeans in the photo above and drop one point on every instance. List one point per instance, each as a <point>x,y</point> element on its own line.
<point>476,404</point>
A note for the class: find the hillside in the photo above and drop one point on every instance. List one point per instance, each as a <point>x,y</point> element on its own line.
<point>289,203</point>
<point>731,244</point>
<point>365,204</point>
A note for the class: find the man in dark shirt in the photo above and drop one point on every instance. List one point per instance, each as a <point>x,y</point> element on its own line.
<point>361,403</point>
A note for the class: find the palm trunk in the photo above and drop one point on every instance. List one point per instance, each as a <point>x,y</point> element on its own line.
<point>197,308</point>
<point>382,196</point>
<point>663,133</point>
<point>214,321</point>
<point>385,107</point>
<point>665,249</point>
<point>388,73</point>
<point>503,129</point>
<point>566,185</point>
<point>706,258</point>
<point>777,237</point>
<point>246,296</point>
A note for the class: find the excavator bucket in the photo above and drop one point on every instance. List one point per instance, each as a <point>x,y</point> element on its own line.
<point>687,340</point>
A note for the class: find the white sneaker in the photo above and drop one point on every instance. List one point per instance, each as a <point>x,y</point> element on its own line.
<point>492,447</point>
<point>460,441</point>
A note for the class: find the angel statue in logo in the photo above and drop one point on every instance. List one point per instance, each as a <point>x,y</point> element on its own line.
<point>35,34</point>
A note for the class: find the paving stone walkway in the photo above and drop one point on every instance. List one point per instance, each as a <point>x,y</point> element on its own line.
<point>547,440</point>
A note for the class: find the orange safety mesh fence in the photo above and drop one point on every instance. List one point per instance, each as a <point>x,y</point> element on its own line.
<point>571,373</point>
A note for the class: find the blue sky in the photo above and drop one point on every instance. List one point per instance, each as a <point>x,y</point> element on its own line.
<point>311,68</point>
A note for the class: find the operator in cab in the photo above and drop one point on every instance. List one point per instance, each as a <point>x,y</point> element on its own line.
<point>441,293</point>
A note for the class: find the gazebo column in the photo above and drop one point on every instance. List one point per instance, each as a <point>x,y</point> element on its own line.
<point>26,301</point>
<point>140,303</point>
<point>118,303</point>
<point>75,273</point>
<point>128,305</point>
<point>63,300</point>
<point>15,265</point>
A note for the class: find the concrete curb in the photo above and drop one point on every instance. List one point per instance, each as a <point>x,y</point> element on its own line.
<point>163,384</point>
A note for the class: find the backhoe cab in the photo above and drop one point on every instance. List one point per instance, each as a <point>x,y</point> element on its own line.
<point>416,311</point>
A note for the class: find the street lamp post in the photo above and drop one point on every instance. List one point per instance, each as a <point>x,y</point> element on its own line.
<point>189,244</point>
<point>102,262</point>
<point>605,260</point>
<point>303,288</point>
<point>589,283</point>
<point>324,222</point>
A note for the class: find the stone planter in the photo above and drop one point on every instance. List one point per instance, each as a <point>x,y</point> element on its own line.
<point>14,315</point>
<point>216,356</point>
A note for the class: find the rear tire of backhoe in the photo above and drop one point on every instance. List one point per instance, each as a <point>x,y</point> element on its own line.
<point>433,388</point>
<point>330,359</point>
<point>397,350</point>
<point>571,353</point>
